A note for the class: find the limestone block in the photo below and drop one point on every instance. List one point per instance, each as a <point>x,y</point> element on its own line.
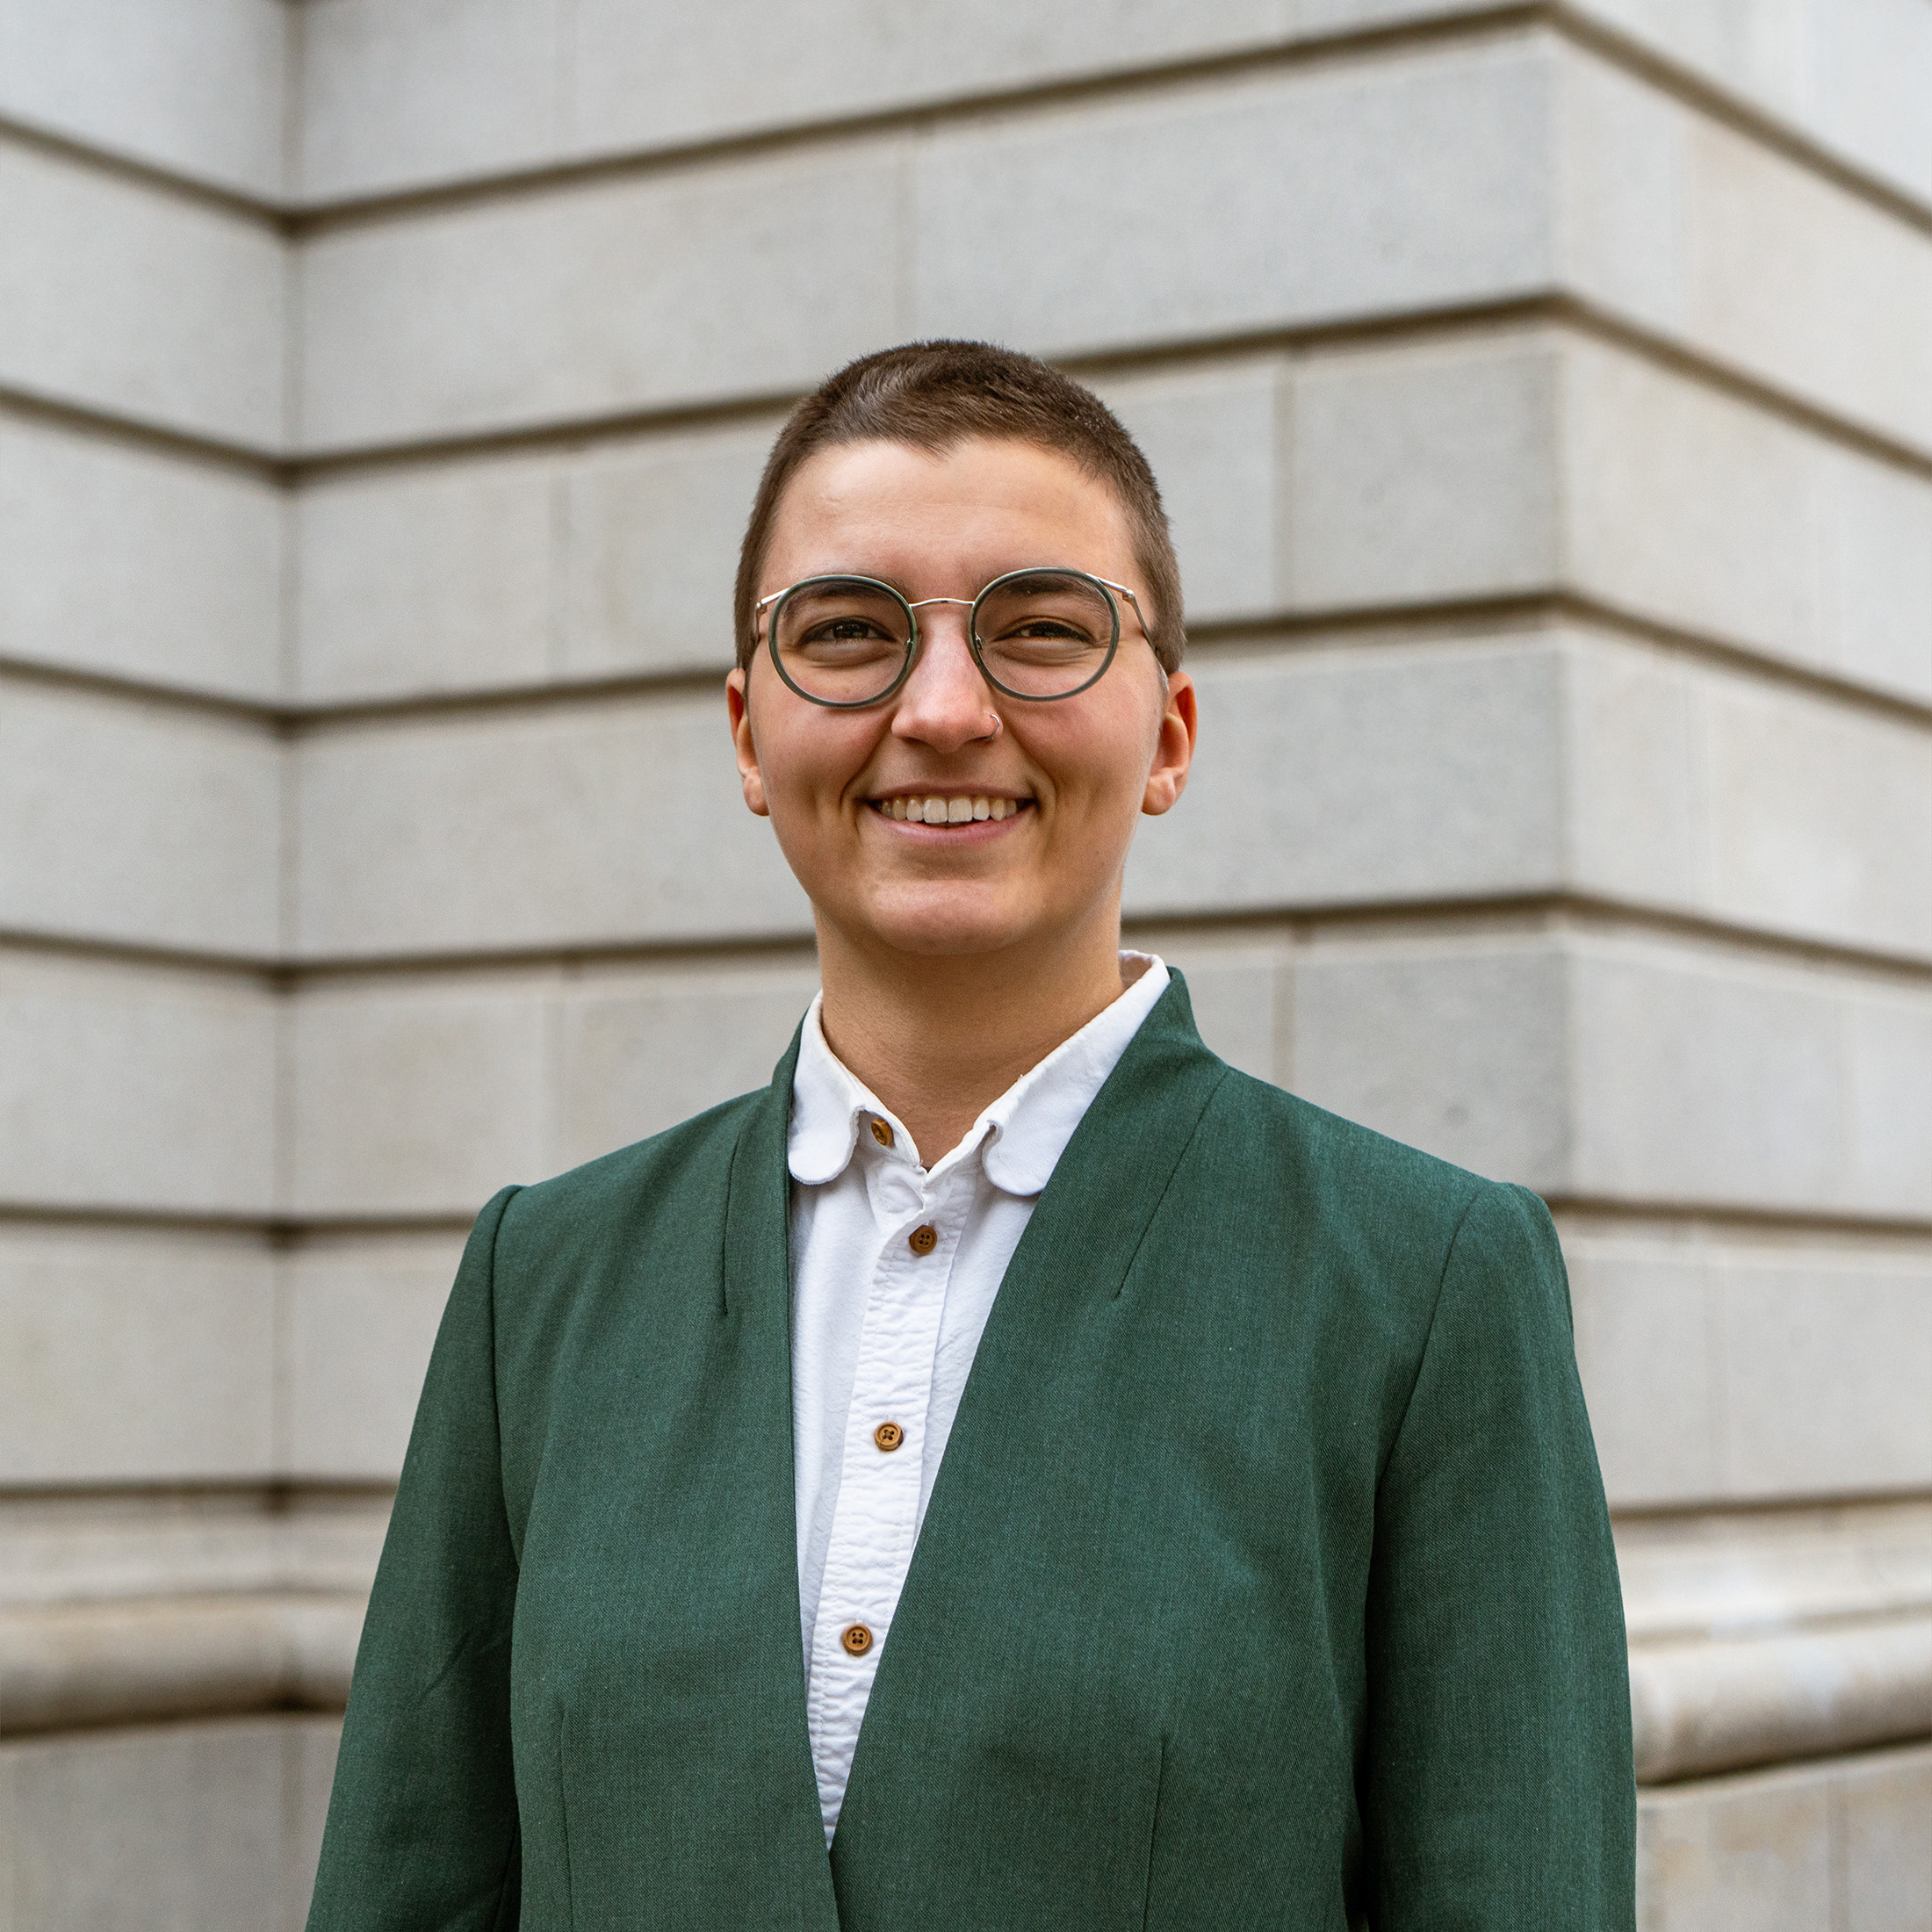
<point>1684,226</point>
<point>1215,436</point>
<point>739,64</point>
<point>1651,1363</point>
<point>411,1096</point>
<point>1799,792</point>
<point>1745,1370</point>
<point>130,1358</point>
<point>614,294</point>
<point>1456,1046</point>
<point>1622,1068</point>
<point>311,1744</point>
<point>1239,994</point>
<point>1419,180</point>
<point>138,564</point>
<point>425,579</point>
<point>1423,473</point>
<point>397,94</point>
<point>160,1829</point>
<point>1847,73</point>
<point>1685,505</point>
<point>125,298</point>
<point>1429,770</point>
<point>649,542</point>
<point>147,824</point>
<point>196,87</point>
<point>135,1087</point>
<point>1703,1078</point>
<point>1750,1851</point>
<point>359,1315</point>
<point>641,1052</point>
<point>564,825</point>
<point>1884,1821</point>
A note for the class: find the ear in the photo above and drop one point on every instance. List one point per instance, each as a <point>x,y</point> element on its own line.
<point>738,702</point>
<point>1174,750</point>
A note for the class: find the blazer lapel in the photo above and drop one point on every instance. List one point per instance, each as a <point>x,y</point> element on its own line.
<point>1069,1270</point>
<point>755,1312</point>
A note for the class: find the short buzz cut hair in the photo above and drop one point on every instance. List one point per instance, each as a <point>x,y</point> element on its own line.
<point>933,395</point>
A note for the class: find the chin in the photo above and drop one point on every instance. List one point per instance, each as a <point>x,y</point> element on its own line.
<point>947,924</point>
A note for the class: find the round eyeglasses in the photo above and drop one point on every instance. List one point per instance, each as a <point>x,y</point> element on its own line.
<point>1036,634</point>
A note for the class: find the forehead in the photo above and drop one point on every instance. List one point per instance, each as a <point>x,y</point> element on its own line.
<point>980,505</point>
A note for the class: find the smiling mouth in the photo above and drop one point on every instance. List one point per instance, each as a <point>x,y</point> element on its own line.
<point>957,810</point>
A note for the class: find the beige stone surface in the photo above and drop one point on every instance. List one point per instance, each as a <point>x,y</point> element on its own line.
<point>587,824</point>
<point>706,283</point>
<point>1507,461</point>
<point>1738,1368</point>
<point>1838,1846</point>
<point>128,300</point>
<point>357,1319</point>
<point>417,1095</point>
<point>127,1087</point>
<point>1684,226</point>
<point>172,839</point>
<point>189,1828</point>
<point>614,294</point>
<point>1615,1068</point>
<point>1845,73</point>
<point>197,86</point>
<point>131,1357</point>
<point>1424,473</point>
<point>132,564</point>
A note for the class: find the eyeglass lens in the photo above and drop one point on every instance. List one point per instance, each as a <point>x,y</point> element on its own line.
<point>844,640</point>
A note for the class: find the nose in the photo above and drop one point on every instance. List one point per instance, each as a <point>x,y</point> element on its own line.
<point>945,704</point>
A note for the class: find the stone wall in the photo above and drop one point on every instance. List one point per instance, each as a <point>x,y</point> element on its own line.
<point>1544,397</point>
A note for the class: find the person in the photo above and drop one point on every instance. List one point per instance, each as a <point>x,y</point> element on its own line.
<point>1013,1471</point>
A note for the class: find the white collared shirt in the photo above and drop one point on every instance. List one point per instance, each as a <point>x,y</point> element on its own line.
<point>895,1267</point>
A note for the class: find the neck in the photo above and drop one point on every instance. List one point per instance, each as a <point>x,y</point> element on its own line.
<point>940,1037</point>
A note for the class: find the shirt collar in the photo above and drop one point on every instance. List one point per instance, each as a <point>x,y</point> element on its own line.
<point>1023,1134</point>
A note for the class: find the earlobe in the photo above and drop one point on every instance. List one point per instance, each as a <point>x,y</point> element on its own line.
<point>1174,752</point>
<point>749,777</point>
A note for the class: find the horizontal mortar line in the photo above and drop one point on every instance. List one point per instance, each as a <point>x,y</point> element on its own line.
<point>1730,1220</point>
<point>261,211</point>
<point>1737,111</point>
<point>1530,912</point>
<point>104,425</point>
<point>167,956</point>
<point>265,1500</point>
<point>288,972</point>
<point>291,469</point>
<point>289,1231</point>
<point>1650,66</point>
<point>1324,920</point>
<point>1401,622</point>
<point>935,113</point>
<point>292,216</point>
<point>277,1229</point>
<point>1742,384</point>
<point>144,692</point>
<point>1391,327</point>
<point>1721,1512</point>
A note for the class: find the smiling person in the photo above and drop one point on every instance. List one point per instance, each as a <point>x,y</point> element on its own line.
<point>1013,1471</point>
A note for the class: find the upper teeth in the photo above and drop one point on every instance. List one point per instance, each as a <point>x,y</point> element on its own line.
<point>948,811</point>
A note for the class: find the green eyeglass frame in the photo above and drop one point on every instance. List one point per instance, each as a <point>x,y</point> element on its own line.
<point>1106,585</point>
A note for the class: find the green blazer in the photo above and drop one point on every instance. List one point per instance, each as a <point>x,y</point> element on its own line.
<point>1267,1582</point>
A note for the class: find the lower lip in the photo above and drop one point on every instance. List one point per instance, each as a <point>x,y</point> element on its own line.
<point>968,832</point>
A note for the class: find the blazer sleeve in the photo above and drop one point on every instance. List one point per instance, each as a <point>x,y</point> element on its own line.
<point>422,1822</point>
<point>1497,1786</point>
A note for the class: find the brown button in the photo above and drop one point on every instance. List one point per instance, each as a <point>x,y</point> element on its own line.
<point>881,1133</point>
<point>857,1639</point>
<point>923,1240</point>
<point>889,1436</point>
